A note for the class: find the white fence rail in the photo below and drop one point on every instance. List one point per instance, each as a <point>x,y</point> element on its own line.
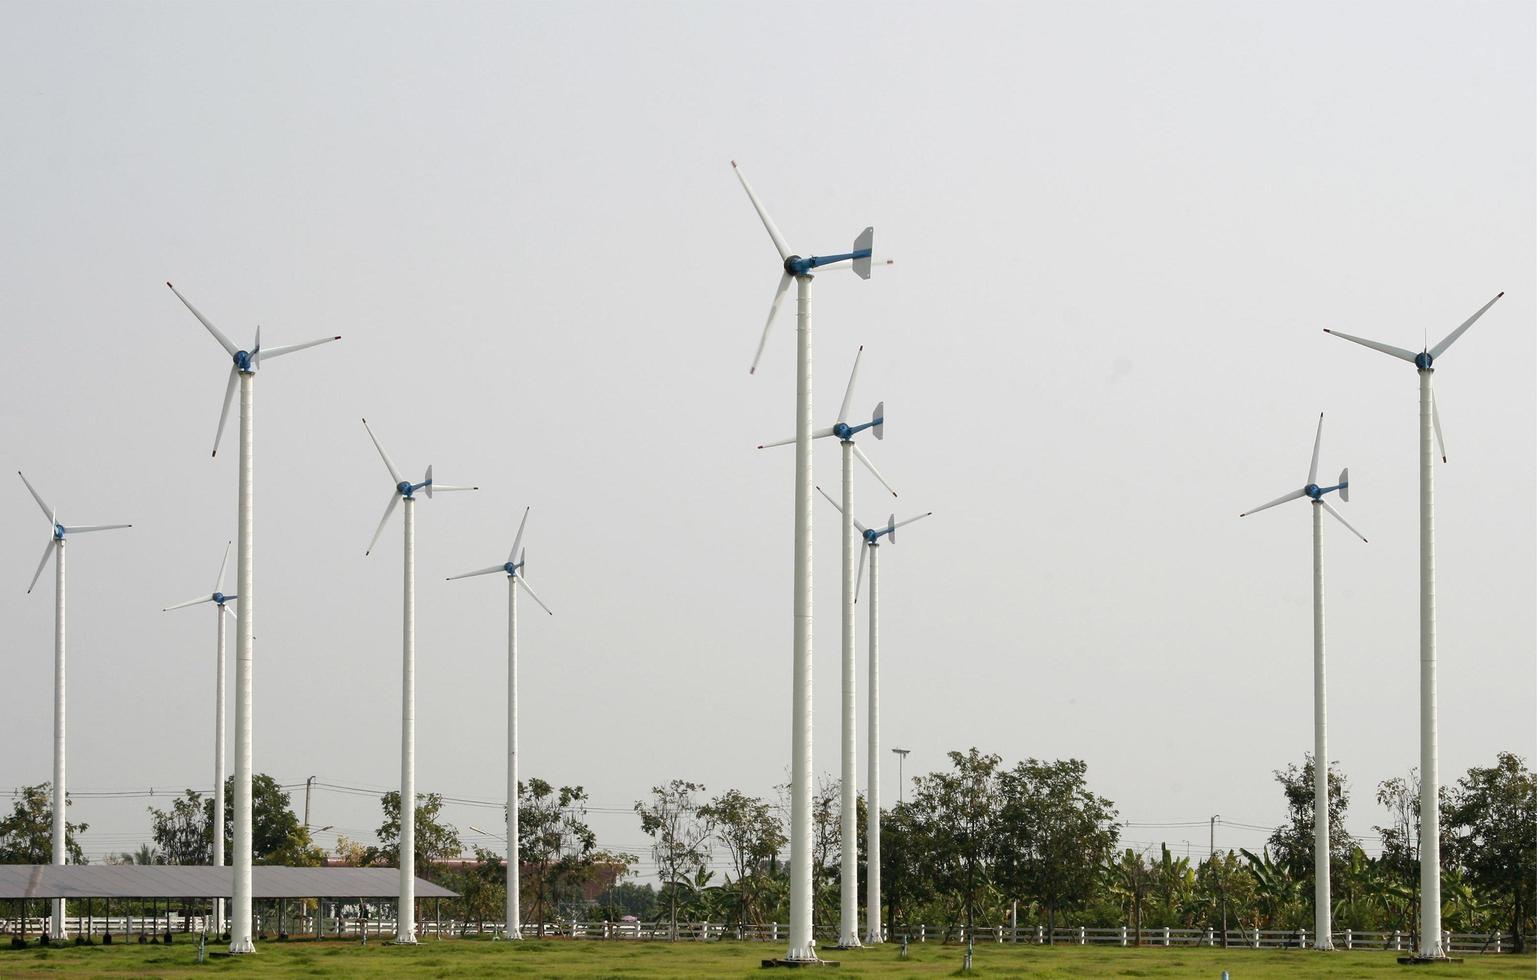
<point>137,928</point>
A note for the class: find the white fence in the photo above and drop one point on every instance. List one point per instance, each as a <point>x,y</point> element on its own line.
<point>153,928</point>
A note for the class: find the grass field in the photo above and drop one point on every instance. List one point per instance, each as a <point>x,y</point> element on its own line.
<point>638,960</point>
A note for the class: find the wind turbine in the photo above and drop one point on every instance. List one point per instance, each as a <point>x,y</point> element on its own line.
<point>802,942</point>
<point>1430,804</point>
<point>55,547</point>
<point>872,539</point>
<point>512,566</point>
<point>1323,936</point>
<point>246,364</point>
<point>848,926</point>
<point>405,915</point>
<point>221,609</point>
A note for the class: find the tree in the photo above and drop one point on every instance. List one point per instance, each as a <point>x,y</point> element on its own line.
<point>555,845</point>
<point>961,810</point>
<point>277,837</point>
<point>753,836</point>
<point>1292,843</point>
<point>26,836</point>
<point>434,841</point>
<point>182,834</point>
<point>1493,818</point>
<point>680,834</point>
<point>1054,834</point>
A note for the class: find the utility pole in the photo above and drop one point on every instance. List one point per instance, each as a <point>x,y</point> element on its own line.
<point>1214,819</point>
<point>308,785</point>
<point>901,758</point>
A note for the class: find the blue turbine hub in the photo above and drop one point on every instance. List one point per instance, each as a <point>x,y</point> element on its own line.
<point>842,431</point>
<point>1313,490</point>
<point>511,568</point>
<point>243,361</point>
<point>872,536</point>
<point>219,597</point>
<point>1423,360</point>
<point>404,488</point>
<point>58,532</point>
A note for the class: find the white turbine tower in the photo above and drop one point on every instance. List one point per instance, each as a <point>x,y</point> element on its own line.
<point>221,609</point>
<point>405,915</point>
<point>1322,923</point>
<point>512,567</point>
<point>55,547</point>
<point>246,364</point>
<point>848,922</point>
<point>802,946</point>
<point>872,539</point>
<point>1430,804</point>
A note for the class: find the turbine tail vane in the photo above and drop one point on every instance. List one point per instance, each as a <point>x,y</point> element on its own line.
<point>862,248</point>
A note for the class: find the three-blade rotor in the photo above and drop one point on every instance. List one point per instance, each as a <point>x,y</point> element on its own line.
<point>859,258</point>
<point>846,432</point>
<point>1425,360</point>
<point>1312,490</point>
<point>245,362</point>
<point>404,489</point>
<point>512,568</point>
<point>217,596</point>
<point>872,535</point>
<point>58,531</point>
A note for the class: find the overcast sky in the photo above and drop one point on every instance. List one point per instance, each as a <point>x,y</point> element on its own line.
<point>1119,229</point>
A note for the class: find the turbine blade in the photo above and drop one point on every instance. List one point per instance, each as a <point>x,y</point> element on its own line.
<point>1397,352</point>
<point>189,602</point>
<point>815,434</point>
<point>859,577</point>
<point>439,489</point>
<point>87,528</point>
<point>1279,500</point>
<point>912,519</point>
<point>527,588</point>
<point>46,552</point>
<point>1435,419</point>
<point>388,510</point>
<point>768,223</point>
<point>480,571</point>
<point>268,355</point>
<point>1342,520</point>
<point>218,335</point>
<point>779,295</point>
<point>1318,441</point>
<point>389,464</point>
<point>47,511</point>
<point>517,542</point>
<point>229,396</point>
<point>228,610</point>
<point>1451,338</point>
<point>848,393</point>
<point>860,454</point>
<point>854,521</point>
<point>256,349</point>
<point>219,585</point>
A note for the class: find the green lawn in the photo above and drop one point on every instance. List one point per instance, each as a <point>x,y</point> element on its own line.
<point>626,960</point>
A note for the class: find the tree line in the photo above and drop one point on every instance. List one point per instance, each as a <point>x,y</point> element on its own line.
<point>977,843</point>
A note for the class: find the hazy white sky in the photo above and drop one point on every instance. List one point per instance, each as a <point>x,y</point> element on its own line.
<point>1119,229</point>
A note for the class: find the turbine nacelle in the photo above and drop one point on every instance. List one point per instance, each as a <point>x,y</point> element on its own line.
<point>1313,491</point>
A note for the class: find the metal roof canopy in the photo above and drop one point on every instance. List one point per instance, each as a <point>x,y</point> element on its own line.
<point>201,881</point>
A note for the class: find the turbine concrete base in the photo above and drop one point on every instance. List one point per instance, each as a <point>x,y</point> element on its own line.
<point>770,964</point>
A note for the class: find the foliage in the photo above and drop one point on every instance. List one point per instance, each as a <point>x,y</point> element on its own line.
<point>434,841</point>
<point>26,836</point>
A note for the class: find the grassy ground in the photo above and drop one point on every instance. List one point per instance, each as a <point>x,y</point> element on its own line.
<point>637,960</point>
